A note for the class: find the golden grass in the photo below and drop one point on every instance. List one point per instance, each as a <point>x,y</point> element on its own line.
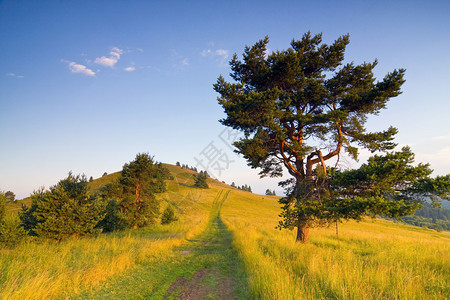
<point>376,259</point>
<point>45,269</point>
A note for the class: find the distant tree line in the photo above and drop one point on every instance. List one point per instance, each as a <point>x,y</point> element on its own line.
<point>428,211</point>
<point>68,209</point>
<point>199,179</point>
<point>436,218</point>
<point>244,187</point>
<point>270,193</point>
<point>186,166</point>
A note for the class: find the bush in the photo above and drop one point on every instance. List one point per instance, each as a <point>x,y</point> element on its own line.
<point>28,219</point>
<point>114,219</point>
<point>11,232</point>
<point>200,180</point>
<point>2,205</point>
<point>63,211</point>
<point>168,215</point>
<point>10,196</point>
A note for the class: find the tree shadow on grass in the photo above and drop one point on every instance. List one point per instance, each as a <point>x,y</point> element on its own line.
<point>186,185</point>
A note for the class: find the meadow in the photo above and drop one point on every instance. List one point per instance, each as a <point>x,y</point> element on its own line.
<point>226,242</point>
<point>373,259</point>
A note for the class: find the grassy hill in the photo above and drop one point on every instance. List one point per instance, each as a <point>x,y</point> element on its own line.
<point>225,246</point>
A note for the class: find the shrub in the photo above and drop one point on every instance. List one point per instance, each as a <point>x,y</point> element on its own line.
<point>168,215</point>
<point>200,180</point>
<point>2,205</point>
<point>11,232</point>
<point>114,219</point>
<point>63,211</point>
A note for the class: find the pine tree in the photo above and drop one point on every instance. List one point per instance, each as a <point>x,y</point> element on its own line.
<point>294,104</point>
<point>168,215</point>
<point>131,200</point>
<point>200,180</point>
<point>387,185</point>
<point>115,217</point>
<point>64,210</point>
<point>139,180</point>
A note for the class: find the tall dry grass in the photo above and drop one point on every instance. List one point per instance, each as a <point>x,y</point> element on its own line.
<point>43,269</point>
<point>375,260</point>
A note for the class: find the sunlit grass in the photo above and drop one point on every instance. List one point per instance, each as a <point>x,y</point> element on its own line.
<point>375,259</point>
<point>45,269</point>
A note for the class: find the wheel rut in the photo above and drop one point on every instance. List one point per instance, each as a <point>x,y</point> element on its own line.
<point>215,280</point>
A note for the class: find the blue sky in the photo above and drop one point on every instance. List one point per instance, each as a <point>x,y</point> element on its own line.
<point>85,85</point>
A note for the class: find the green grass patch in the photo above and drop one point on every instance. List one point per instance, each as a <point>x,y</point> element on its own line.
<point>211,250</point>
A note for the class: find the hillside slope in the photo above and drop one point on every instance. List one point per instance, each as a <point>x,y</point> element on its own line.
<point>224,246</point>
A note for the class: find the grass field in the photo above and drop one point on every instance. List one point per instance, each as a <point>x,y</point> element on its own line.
<point>375,259</point>
<point>224,246</point>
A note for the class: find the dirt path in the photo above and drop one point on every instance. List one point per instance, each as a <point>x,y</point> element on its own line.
<point>206,267</point>
<point>217,280</point>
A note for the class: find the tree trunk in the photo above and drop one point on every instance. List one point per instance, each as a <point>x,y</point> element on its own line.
<point>304,190</point>
<point>303,234</point>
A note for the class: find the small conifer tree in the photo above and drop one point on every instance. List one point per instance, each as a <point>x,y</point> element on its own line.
<point>200,180</point>
<point>64,210</point>
<point>168,215</point>
<point>11,232</point>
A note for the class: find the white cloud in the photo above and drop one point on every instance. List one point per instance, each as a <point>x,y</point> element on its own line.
<point>77,68</point>
<point>220,55</point>
<point>205,52</point>
<point>439,160</point>
<point>11,74</point>
<point>219,52</point>
<point>116,52</point>
<point>130,69</point>
<point>106,61</point>
<point>223,53</point>
<point>114,56</point>
<point>185,62</point>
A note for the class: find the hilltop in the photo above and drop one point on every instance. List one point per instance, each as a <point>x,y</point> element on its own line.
<point>225,245</point>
